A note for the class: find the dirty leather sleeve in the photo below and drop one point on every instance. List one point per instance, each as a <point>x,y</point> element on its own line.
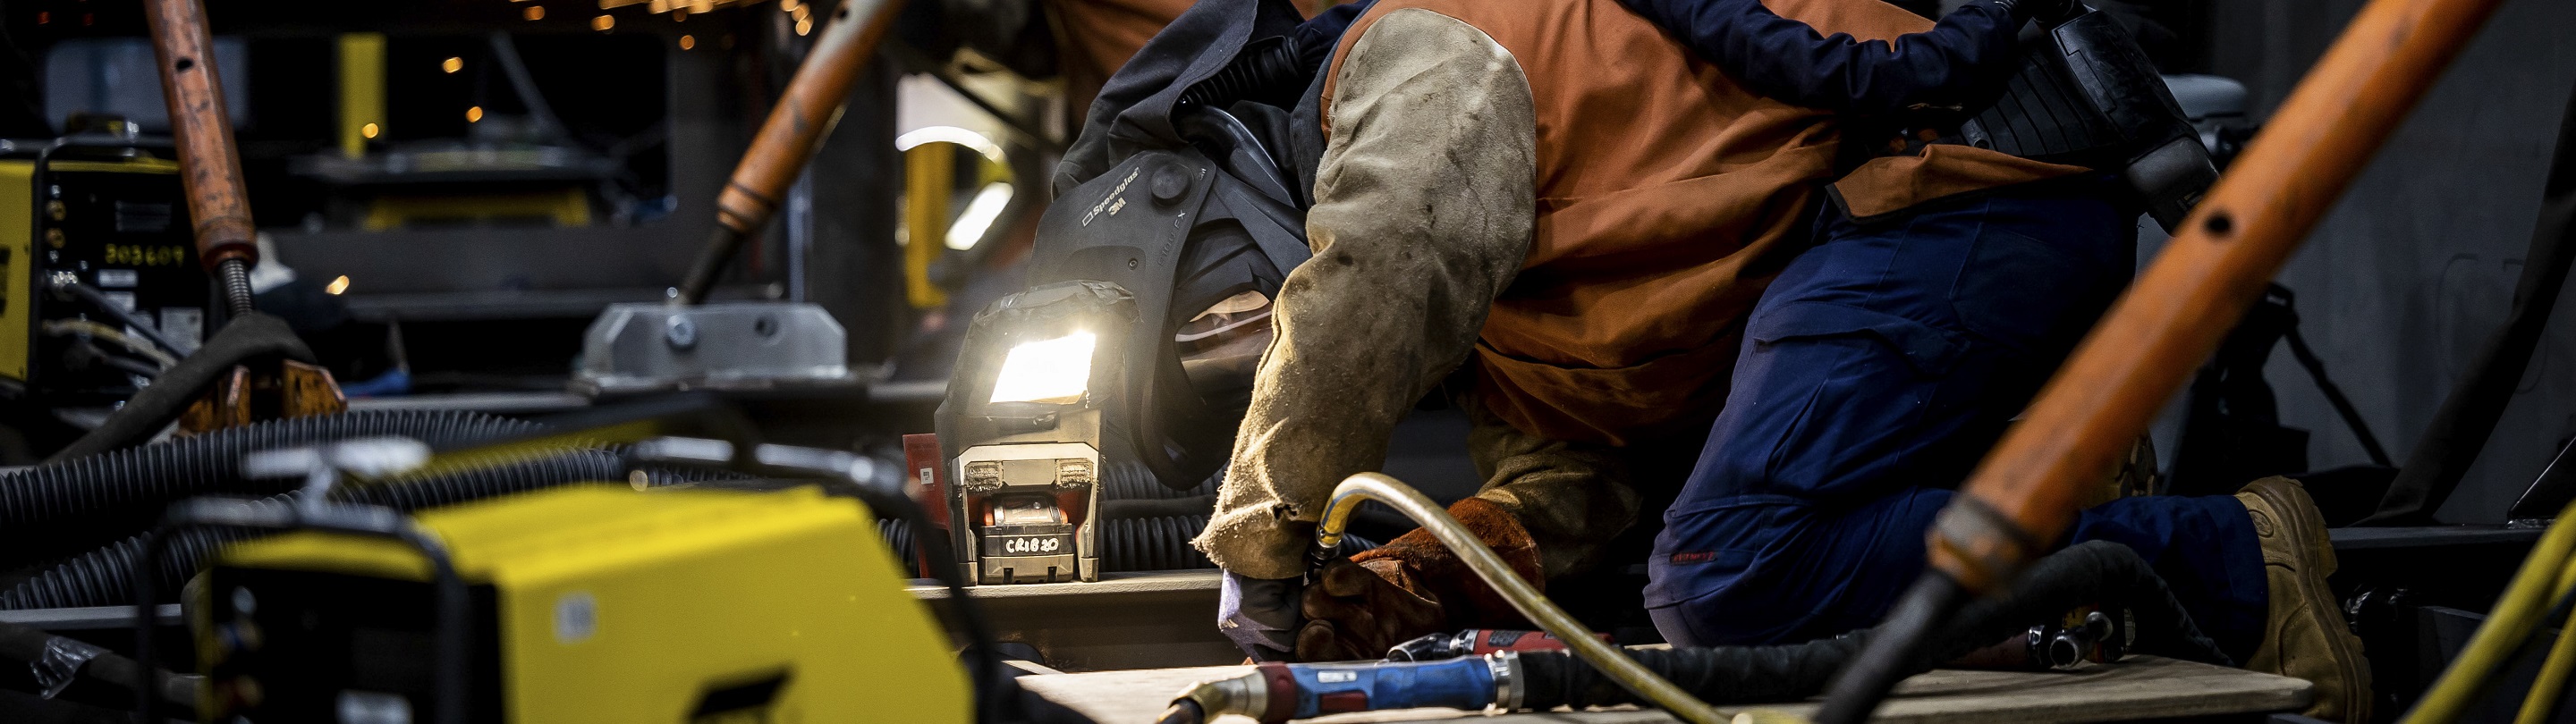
<point>1424,203</point>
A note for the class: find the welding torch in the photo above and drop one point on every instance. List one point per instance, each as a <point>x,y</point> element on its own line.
<point>1278,692</point>
<point>805,113</point>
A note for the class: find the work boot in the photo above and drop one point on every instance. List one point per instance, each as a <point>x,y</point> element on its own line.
<point>2305,636</point>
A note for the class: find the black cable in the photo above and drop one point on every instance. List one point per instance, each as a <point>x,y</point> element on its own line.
<point>102,577</point>
<point>119,313</point>
<point>104,679</point>
<point>63,508</point>
<point>95,298</point>
<point>1887,657</point>
<point>2334,394</point>
<point>1922,632</point>
<point>126,365</point>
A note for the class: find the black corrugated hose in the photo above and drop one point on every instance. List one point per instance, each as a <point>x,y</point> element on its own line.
<point>62,508</point>
<point>1147,526</point>
<point>2098,572</point>
<point>1132,481</point>
<point>102,577</point>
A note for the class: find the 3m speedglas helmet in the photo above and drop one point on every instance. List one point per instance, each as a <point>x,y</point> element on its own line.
<point>1182,251</point>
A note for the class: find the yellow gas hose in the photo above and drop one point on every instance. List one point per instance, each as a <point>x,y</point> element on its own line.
<point>2545,689</point>
<point>1373,486</point>
<point>2544,578</point>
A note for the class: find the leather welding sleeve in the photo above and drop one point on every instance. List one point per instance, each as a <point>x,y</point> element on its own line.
<point>1789,60</point>
<point>1424,204</point>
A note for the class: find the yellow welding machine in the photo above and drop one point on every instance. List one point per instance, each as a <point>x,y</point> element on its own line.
<point>591,603</point>
<point>110,216</point>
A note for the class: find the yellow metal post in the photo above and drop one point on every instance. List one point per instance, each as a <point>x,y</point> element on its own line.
<point>362,91</point>
<point>930,175</point>
<point>17,259</point>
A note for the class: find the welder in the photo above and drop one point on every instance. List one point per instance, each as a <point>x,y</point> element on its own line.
<point>1577,210</point>
<point>1882,363</point>
<point>1561,205</point>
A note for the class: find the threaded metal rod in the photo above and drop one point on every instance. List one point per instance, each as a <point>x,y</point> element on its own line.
<point>235,276</point>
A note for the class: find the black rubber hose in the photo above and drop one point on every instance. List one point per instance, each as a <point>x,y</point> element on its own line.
<point>1163,544</point>
<point>1133,481</point>
<point>103,577</point>
<point>1151,544</point>
<point>2091,573</point>
<point>1268,71</point>
<point>61,508</point>
<point>249,337</point>
<point>1200,505</point>
<point>898,537</point>
<point>106,679</point>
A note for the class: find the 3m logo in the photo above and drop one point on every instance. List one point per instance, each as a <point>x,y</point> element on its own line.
<point>1694,557</point>
<point>1115,201</point>
<point>1033,545</point>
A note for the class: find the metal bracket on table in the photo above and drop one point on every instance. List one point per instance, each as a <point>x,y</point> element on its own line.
<point>635,348</point>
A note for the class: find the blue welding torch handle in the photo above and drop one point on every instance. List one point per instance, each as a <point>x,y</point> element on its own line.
<point>1275,693</point>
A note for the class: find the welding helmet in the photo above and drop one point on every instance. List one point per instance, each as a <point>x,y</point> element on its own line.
<point>1201,236</point>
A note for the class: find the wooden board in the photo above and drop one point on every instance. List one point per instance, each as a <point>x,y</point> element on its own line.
<point>2142,687</point>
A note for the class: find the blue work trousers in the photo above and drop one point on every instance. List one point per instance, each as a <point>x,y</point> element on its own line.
<point>1876,371</point>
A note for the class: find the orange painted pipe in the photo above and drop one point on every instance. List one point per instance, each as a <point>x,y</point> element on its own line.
<point>2021,500</point>
<point>210,169</point>
<point>805,113</point>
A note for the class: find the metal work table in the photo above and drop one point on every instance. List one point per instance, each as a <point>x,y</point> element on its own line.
<point>1123,621</point>
<point>2142,687</point>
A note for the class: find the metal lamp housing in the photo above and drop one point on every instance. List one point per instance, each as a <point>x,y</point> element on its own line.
<point>1027,472</point>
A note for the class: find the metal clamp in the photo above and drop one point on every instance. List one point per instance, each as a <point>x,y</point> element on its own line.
<point>1508,691</point>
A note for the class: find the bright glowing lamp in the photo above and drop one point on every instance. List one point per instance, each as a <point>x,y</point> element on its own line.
<point>1054,371</point>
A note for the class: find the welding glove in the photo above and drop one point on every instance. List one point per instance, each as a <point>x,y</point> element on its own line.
<point>1259,615</point>
<point>1414,585</point>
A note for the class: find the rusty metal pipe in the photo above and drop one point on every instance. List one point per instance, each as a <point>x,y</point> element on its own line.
<point>211,169</point>
<point>796,127</point>
<point>2023,497</point>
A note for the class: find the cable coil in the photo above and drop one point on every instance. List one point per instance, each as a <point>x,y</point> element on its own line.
<point>62,508</point>
<point>103,577</point>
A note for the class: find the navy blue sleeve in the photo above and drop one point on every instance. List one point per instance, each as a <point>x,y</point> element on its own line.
<point>1789,61</point>
<point>1317,36</point>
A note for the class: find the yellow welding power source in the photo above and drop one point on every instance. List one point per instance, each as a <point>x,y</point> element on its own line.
<point>590,603</point>
<point>104,214</point>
